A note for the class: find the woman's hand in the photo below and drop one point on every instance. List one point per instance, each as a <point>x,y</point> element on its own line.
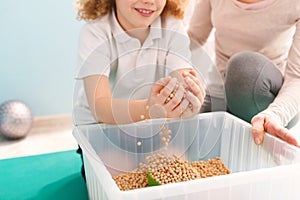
<point>262,123</point>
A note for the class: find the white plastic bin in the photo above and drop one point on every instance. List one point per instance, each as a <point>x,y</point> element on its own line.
<point>268,172</point>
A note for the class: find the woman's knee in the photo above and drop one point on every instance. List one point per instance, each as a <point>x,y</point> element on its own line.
<point>251,83</point>
<point>247,64</point>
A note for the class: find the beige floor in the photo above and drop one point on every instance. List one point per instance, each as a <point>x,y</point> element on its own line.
<point>52,135</point>
<point>47,135</point>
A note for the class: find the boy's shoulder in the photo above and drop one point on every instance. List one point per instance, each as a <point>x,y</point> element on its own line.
<point>170,22</point>
<point>98,26</point>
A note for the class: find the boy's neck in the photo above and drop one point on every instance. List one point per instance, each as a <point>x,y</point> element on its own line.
<point>141,34</point>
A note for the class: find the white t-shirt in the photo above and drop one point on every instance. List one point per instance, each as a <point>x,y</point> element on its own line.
<point>132,67</point>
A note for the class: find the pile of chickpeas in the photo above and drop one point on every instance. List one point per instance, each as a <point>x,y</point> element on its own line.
<point>169,169</point>
<point>211,168</point>
<point>178,171</point>
<point>131,180</point>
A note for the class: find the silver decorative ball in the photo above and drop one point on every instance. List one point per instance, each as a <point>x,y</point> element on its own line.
<point>15,119</point>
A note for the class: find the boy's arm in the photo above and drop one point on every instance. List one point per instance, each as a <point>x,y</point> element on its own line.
<point>111,110</point>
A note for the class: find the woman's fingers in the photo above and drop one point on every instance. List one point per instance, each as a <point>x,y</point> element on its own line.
<point>258,130</point>
<point>275,129</point>
<point>262,123</point>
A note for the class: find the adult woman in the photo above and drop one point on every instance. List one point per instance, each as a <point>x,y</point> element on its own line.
<point>258,55</point>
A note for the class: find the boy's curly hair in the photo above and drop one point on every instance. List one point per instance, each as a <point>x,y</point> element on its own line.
<point>93,9</point>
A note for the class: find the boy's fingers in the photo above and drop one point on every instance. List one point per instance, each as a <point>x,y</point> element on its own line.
<point>193,77</point>
<point>195,102</point>
<point>182,107</point>
<point>189,72</point>
<point>169,87</point>
<point>159,85</point>
<point>176,99</point>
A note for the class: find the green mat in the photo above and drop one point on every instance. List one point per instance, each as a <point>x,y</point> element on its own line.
<point>46,176</point>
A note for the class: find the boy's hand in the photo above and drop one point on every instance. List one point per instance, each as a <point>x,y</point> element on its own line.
<point>167,99</point>
<point>195,88</point>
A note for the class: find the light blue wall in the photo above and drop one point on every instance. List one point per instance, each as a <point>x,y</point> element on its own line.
<point>38,54</point>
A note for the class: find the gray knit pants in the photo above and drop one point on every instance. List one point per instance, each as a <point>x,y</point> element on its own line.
<point>252,82</point>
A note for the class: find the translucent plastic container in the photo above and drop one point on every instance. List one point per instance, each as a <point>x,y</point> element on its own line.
<point>267,172</point>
